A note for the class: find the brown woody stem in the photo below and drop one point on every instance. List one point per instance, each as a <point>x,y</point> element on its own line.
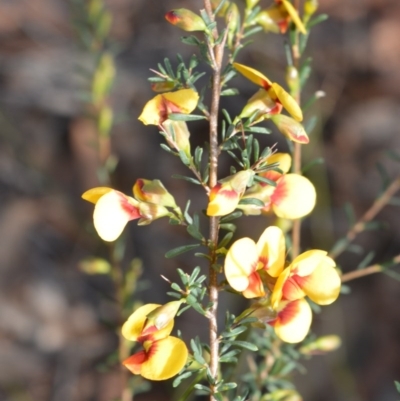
<point>369,215</point>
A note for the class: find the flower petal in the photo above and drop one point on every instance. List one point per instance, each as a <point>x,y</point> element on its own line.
<point>157,109</point>
<point>255,288</point>
<point>293,321</point>
<point>290,128</point>
<point>294,16</point>
<point>253,75</point>
<point>240,263</point>
<point>133,328</point>
<point>134,362</point>
<point>294,197</point>
<point>94,194</point>
<point>284,160</point>
<point>223,200</point>
<point>307,262</point>
<point>277,292</point>
<point>112,212</point>
<point>287,102</point>
<point>323,285</point>
<point>271,250</point>
<point>165,359</point>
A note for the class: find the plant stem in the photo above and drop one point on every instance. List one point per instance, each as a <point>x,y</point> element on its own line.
<point>379,267</point>
<point>296,229</point>
<point>216,55</point>
<point>358,227</point>
<point>123,348</point>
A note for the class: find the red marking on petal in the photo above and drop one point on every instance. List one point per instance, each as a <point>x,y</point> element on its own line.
<point>264,261</point>
<point>292,289</point>
<point>280,192</point>
<point>287,314</point>
<point>283,25</point>
<point>265,84</point>
<point>270,175</point>
<point>172,17</point>
<point>277,109</point>
<point>146,334</point>
<point>129,208</point>
<point>134,362</point>
<point>214,191</point>
<point>255,287</point>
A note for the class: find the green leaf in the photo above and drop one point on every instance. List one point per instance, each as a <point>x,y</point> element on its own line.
<point>186,213</point>
<point>225,241</point>
<point>228,227</point>
<point>245,344</point>
<point>190,40</point>
<point>317,20</point>
<point>312,163</point>
<point>264,180</point>
<point>190,179</point>
<point>397,384</point>
<point>202,388</point>
<point>185,117</point>
<point>230,92</point>
<point>226,386</point>
<point>227,116</point>
<point>194,232</point>
<point>180,249</point>
<point>181,377</point>
<point>233,216</point>
<point>258,130</point>
<point>168,149</point>
<point>184,158</point>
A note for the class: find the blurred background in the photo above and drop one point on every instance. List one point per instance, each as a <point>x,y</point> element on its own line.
<point>55,319</point>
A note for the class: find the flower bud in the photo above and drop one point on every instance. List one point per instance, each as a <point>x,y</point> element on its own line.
<point>290,128</point>
<point>153,191</point>
<point>150,212</point>
<point>251,3</point>
<point>186,20</point>
<point>261,102</point>
<point>267,20</point>
<point>163,315</point>
<point>310,7</point>
<point>178,136</point>
<point>292,79</point>
<point>103,77</point>
<point>321,345</point>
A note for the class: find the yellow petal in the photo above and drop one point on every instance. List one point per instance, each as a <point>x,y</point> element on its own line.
<point>294,197</point>
<point>240,263</point>
<point>271,250</point>
<point>166,358</point>
<point>288,102</point>
<point>157,109</point>
<point>284,160</point>
<point>304,264</point>
<point>111,214</point>
<point>277,292</point>
<point>253,75</point>
<point>133,328</point>
<point>294,321</point>
<point>261,102</point>
<point>294,16</point>
<point>94,194</point>
<point>290,128</point>
<point>223,200</point>
<point>323,284</point>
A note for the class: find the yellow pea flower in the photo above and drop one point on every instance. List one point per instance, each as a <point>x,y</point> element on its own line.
<point>225,196</point>
<point>293,197</point>
<point>271,99</point>
<point>163,356</point>
<point>311,274</point>
<point>277,17</point>
<point>156,110</point>
<point>246,259</point>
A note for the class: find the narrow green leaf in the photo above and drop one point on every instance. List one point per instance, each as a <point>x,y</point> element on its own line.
<point>397,384</point>
<point>230,92</point>
<point>233,216</point>
<point>312,163</point>
<point>190,179</point>
<point>264,180</point>
<point>226,386</point>
<point>185,117</point>
<point>228,227</point>
<point>245,344</point>
<point>225,240</point>
<point>184,158</point>
<point>258,130</point>
<point>181,377</point>
<point>168,149</point>
<point>180,249</point>
<point>317,20</point>
<point>194,232</point>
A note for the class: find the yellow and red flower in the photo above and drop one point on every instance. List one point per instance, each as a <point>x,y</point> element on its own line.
<point>278,17</point>
<point>157,110</point>
<point>225,196</point>
<point>293,197</point>
<point>269,102</point>
<point>246,261</point>
<point>113,209</point>
<point>163,356</point>
<point>311,274</point>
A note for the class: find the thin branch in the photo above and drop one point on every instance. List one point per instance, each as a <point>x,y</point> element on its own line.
<point>376,268</point>
<point>369,215</point>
